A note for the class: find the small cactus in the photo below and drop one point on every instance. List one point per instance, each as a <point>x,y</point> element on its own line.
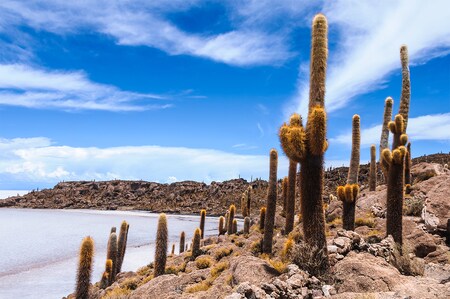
<point>395,192</point>
<point>246,225</point>
<point>230,219</point>
<point>182,240</point>
<point>373,169</point>
<point>104,281</point>
<point>112,254</point>
<point>222,229</point>
<point>271,203</point>
<point>290,197</point>
<point>106,277</point>
<point>227,216</point>
<point>353,170</point>
<point>235,226</point>
<point>85,261</point>
<point>262,218</point>
<point>196,243</point>
<point>202,222</point>
<point>161,246</point>
<point>122,245</point>
<point>348,195</point>
<point>173,249</point>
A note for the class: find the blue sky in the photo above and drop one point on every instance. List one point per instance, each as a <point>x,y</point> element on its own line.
<point>175,90</point>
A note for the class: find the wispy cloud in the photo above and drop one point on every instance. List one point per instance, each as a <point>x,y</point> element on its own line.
<point>146,23</point>
<point>426,127</point>
<point>26,86</point>
<point>369,36</point>
<point>244,146</point>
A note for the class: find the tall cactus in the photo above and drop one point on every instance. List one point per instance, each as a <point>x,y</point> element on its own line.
<point>284,192</point>
<point>244,208</point>
<point>122,245</point>
<point>246,225</point>
<point>249,199</point>
<point>353,170</point>
<point>348,194</point>
<point>384,140</point>
<point>202,222</point>
<point>161,246</point>
<point>307,146</point>
<point>86,257</point>
<point>395,192</point>
<point>397,128</point>
<point>406,87</point>
<point>196,243</point>
<point>262,218</point>
<point>230,219</point>
<point>112,254</point>
<point>235,226</point>
<point>408,164</point>
<point>182,241</point>
<point>373,168</point>
<point>222,229</point>
<point>290,197</point>
<point>271,203</point>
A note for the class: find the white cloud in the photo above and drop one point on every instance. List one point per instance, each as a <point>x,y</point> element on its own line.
<point>26,86</point>
<point>370,34</point>
<point>426,127</point>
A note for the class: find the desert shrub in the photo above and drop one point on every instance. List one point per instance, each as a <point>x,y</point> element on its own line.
<point>405,262</point>
<point>278,265</point>
<point>335,222</point>
<point>203,262</point>
<point>144,271</point>
<point>130,283</point>
<point>287,249</point>
<point>172,270</point>
<point>309,258</point>
<point>219,268</point>
<point>117,293</point>
<point>365,221</point>
<point>199,287</point>
<point>413,206</point>
<point>239,243</point>
<point>223,252</point>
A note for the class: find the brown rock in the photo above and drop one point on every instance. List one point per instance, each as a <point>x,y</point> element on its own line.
<point>251,269</point>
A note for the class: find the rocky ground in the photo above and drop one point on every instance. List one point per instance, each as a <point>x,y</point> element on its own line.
<point>364,263</point>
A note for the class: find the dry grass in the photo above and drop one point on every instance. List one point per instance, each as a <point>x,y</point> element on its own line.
<point>117,293</point>
<point>413,206</point>
<point>199,287</point>
<point>203,262</point>
<point>308,258</point>
<point>287,249</point>
<point>223,252</point>
<point>365,221</point>
<point>219,268</point>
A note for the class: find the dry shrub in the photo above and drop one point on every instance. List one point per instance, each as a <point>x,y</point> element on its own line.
<point>413,206</point>
<point>309,258</point>
<point>219,268</point>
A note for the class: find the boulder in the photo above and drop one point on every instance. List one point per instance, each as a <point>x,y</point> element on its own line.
<point>251,269</point>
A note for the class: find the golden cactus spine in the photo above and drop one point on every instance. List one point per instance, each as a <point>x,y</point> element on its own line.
<point>161,246</point>
<point>112,255</point>
<point>262,218</point>
<point>290,197</point>
<point>307,146</point>
<point>353,170</point>
<point>246,225</point>
<point>182,241</point>
<point>202,222</point>
<point>196,243</point>
<point>230,219</point>
<point>348,194</point>
<point>397,127</point>
<point>384,140</point>
<point>395,192</point>
<point>373,168</point>
<point>86,257</point>
<point>271,203</point>
<point>406,87</point>
<point>122,245</point>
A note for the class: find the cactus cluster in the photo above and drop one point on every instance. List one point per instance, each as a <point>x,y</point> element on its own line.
<point>308,145</point>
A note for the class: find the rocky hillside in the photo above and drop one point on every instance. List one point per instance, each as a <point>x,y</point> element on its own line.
<point>182,197</point>
<point>364,263</point>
